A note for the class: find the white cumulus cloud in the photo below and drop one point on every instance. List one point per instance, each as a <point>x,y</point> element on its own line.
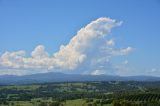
<point>90,49</point>
<point>39,52</point>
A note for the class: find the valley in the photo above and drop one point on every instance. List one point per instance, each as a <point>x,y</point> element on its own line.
<point>88,93</point>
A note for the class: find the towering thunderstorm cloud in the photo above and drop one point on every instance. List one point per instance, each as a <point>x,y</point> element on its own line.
<point>90,51</point>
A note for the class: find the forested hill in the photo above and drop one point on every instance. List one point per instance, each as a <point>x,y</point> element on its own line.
<point>61,77</point>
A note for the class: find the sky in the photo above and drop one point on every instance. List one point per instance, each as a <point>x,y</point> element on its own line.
<point>113,37</point>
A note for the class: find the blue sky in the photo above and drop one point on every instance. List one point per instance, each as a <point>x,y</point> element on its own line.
<point>25,24</point>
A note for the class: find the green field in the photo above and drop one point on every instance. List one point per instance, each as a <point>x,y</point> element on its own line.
<point>109,93</point>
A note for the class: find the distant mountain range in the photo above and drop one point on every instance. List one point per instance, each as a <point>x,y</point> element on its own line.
<point>61,77</point>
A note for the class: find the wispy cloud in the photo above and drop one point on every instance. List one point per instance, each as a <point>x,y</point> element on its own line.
<point>125,62</point>
<point>98,72</point>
